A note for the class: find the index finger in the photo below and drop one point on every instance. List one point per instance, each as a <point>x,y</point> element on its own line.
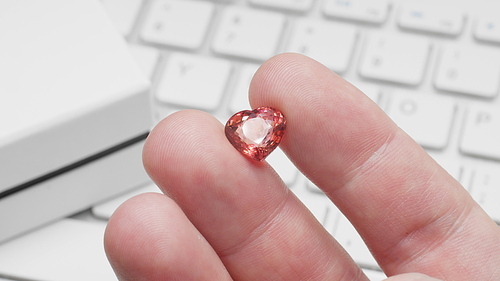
<point>410,212</point>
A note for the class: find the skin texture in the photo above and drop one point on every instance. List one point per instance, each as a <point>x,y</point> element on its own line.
<point>226,217</point>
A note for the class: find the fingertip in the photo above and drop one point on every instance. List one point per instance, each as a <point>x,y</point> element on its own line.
<point>172,140</point>
<point>131,226</point>
<point>292,78</point>
<point>321,108</point>
<point>149,238</point>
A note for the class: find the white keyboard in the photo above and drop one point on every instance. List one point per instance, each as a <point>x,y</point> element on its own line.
<point>432,66</point>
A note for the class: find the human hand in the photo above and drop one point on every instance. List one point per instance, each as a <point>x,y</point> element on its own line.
<point>228,217</point>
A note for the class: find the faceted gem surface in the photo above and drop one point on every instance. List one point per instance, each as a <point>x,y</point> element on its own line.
<point>256,133</point>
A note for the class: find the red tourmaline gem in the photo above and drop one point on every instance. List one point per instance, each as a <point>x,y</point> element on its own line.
<point>256,133</point>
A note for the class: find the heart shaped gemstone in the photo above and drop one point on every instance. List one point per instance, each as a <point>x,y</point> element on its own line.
<point>256,133</point>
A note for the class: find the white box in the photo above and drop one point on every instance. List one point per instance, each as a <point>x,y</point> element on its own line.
<point>70,93</point>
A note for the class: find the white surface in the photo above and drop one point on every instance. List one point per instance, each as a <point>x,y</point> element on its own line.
<point>481,135</point>
<point>294,5</point>
<point>331,44</point>
<point>194,81</point>
<point>180,23</point>
<point>66,250</point>
<point>432,17</point>
<point>427,119</point>
<point>458,71</point>
<point>248,33</point>
<point>123,13</point>
<point>63,87</point>
<point>146,58</point>
<point>395,59</point>
<point>372,11</point>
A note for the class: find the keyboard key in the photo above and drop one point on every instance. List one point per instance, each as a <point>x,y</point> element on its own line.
<point>239,99</point>
<point>123,13</point>
<point>293,5</point>
<point>481,135</point>
<point>248,33</point>
<point>472,71</point>
<point>193,81</point>
<point>146,58</point>
<point>427,119</point>
<point>372,11</point>
<point>329,43</point>
<point>487,29</point>
<point>178,23</point>
<point>432,18</point>
<point>349,238</point>
<point>395,59</point>
<point>484,186</point>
